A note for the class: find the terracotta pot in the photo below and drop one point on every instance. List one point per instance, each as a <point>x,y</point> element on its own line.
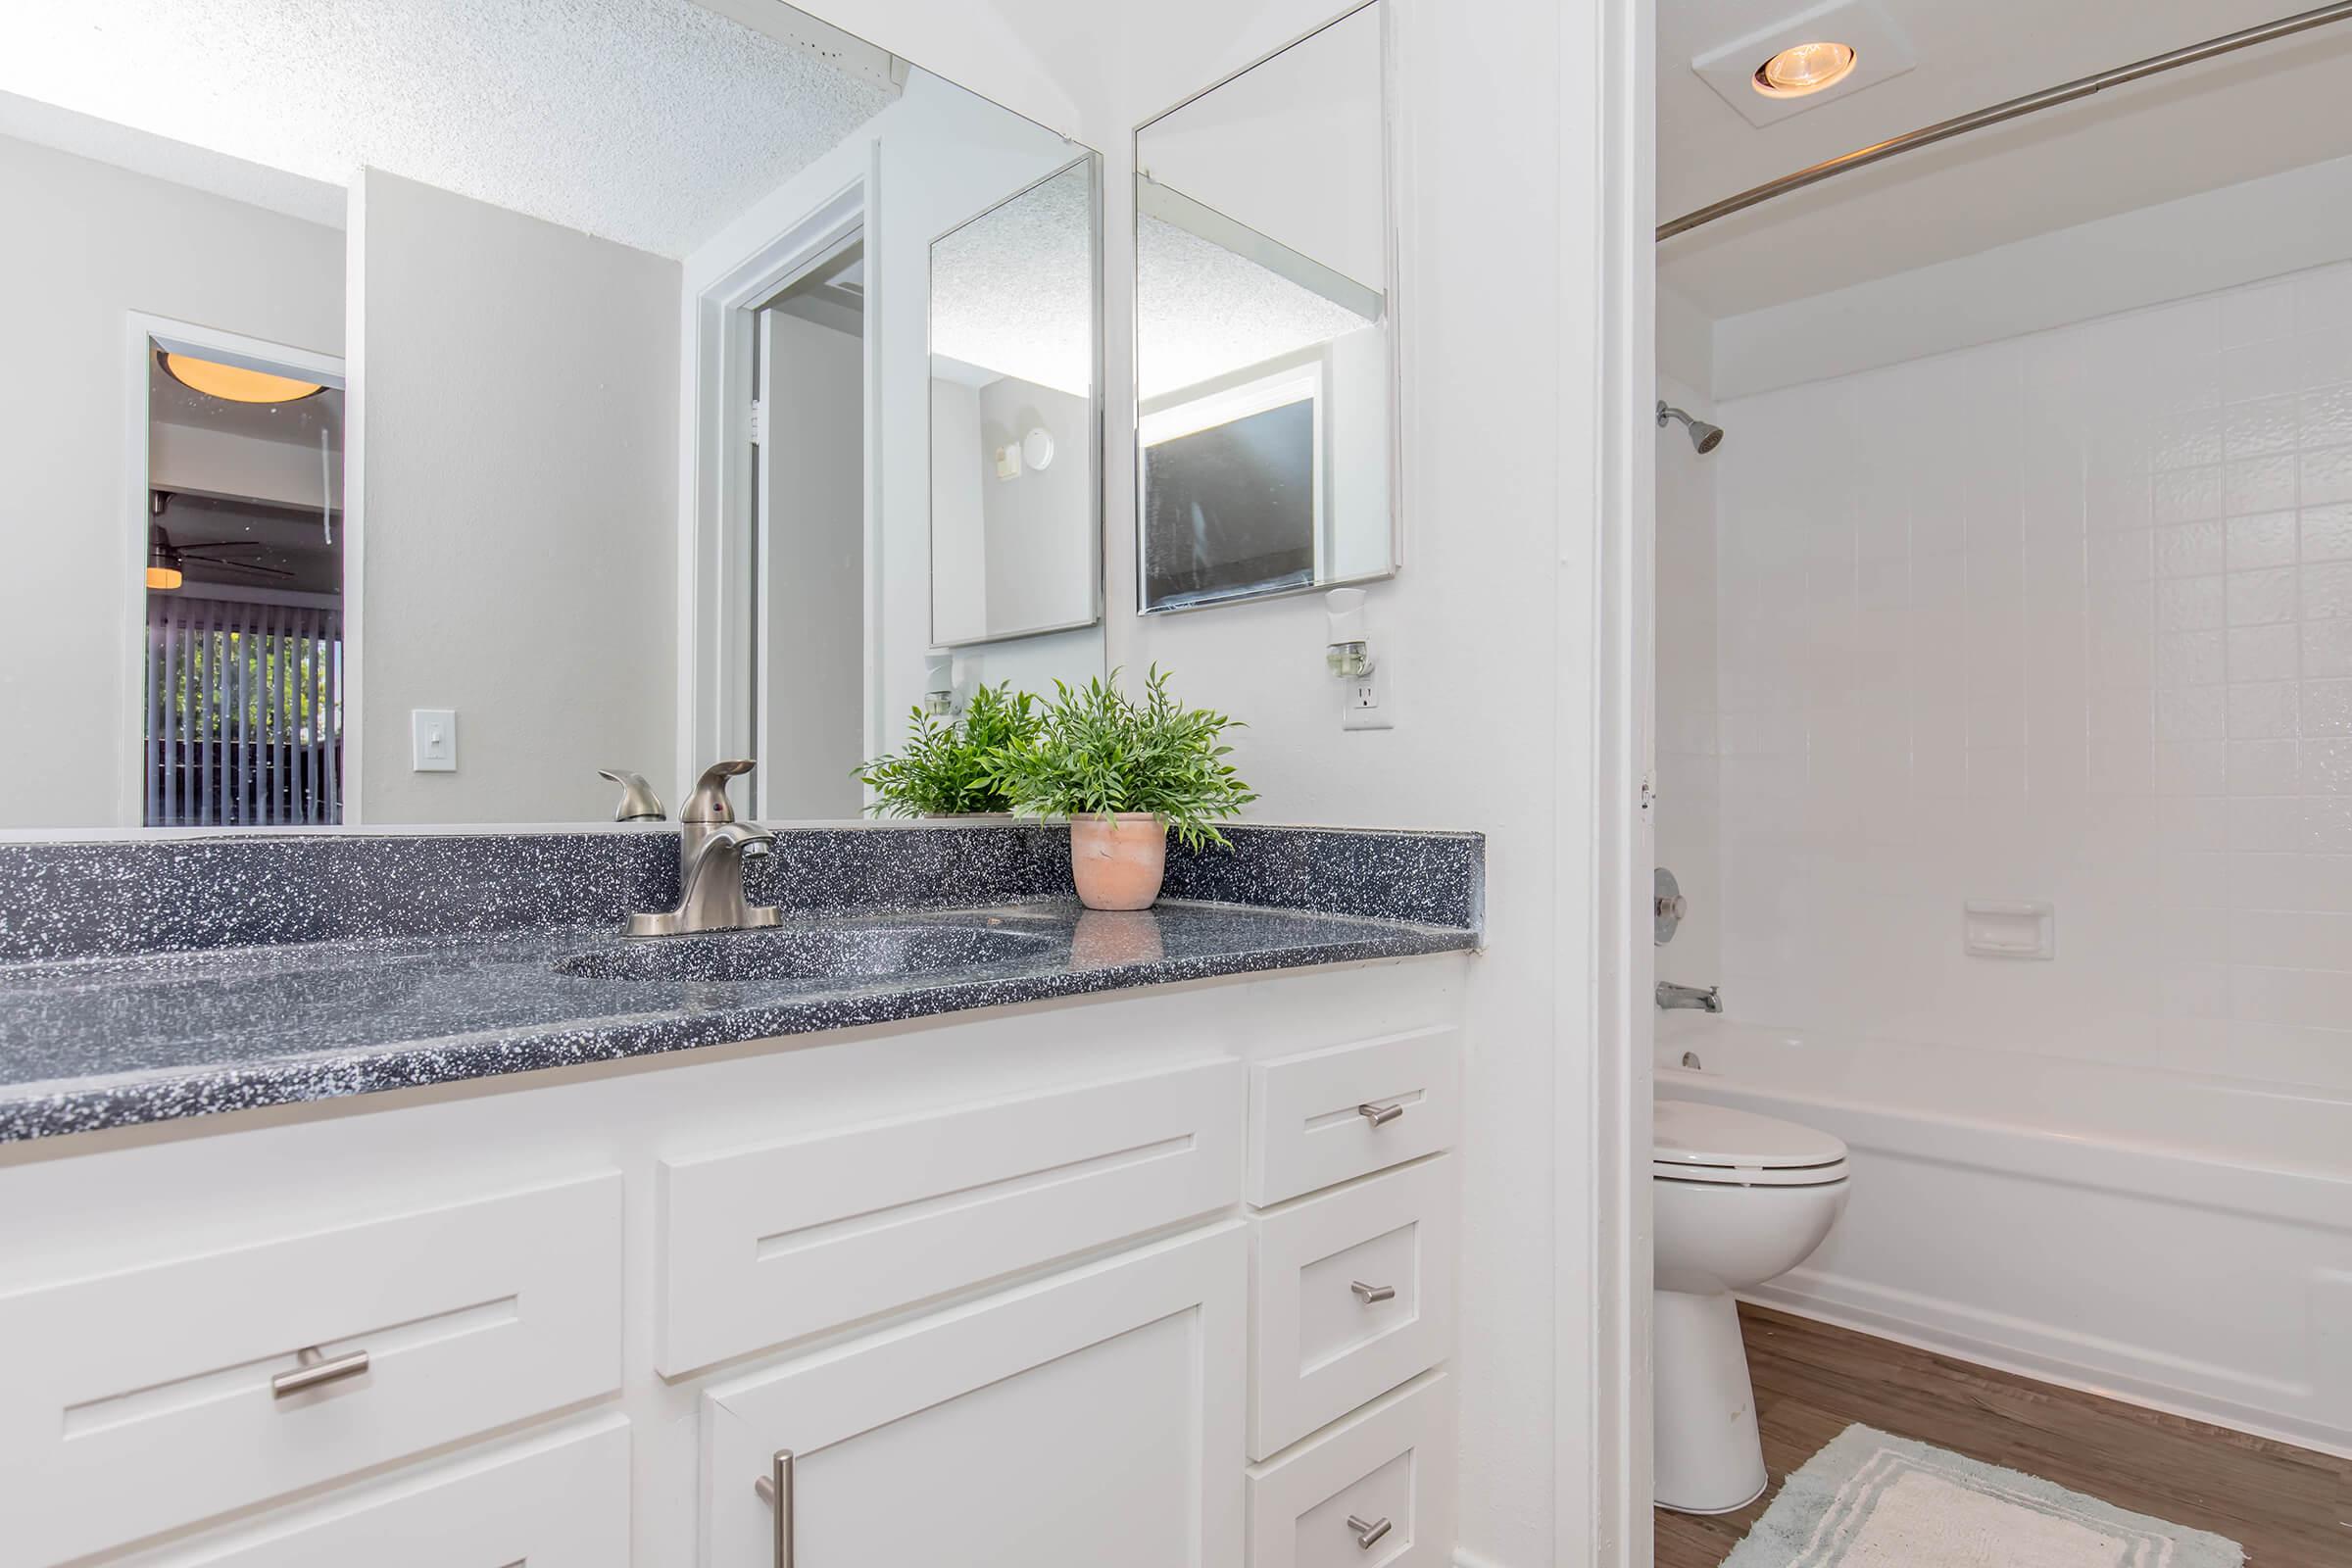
<point>1118,862</point>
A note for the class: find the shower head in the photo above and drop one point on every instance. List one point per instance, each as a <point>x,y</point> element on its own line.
<point>1705,436</point>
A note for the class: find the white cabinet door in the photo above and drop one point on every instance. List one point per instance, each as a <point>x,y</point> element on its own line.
<point>1092,1420</point>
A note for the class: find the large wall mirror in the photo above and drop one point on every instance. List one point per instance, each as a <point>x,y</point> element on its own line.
<point>1265,354</point>
<point>411,415</point>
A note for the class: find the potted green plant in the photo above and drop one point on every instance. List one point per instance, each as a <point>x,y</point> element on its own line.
<point>1126,774</point>
<point>948,766</point>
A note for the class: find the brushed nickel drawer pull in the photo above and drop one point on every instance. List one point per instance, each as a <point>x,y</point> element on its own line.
<point>1381,1115</point>
<point>1372,1294</point>
<point>775,1490</point>
<point>317,1371</point>
<point>1368,1530</point>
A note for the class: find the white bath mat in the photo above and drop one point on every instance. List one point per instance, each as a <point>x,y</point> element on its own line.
<point>1869,1500</point>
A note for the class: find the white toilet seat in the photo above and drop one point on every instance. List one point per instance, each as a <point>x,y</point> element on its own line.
<point>1696,1142</point>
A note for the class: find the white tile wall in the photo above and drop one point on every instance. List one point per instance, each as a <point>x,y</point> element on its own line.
<point>1689,805</point>
<point>2064,617</point>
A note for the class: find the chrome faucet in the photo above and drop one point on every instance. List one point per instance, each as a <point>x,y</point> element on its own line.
<point>1672,996</point>
<point>711,846</point>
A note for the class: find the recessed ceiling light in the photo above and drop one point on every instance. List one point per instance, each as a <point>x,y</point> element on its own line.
<point>1805,67</point>
<point>235,382</point>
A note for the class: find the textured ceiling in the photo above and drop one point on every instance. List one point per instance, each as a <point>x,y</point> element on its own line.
<point>2275,107</point>
<point>1206,311</point>
<point>647,122</point>
<point>1012,293</point>
<point>1013,290</point>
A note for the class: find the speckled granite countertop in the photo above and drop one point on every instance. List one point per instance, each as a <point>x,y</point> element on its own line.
<point>94,1043</point>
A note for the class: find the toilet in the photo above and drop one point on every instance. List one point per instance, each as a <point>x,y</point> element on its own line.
<point>1739,1198</point>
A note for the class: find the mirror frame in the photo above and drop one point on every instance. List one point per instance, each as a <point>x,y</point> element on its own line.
<point>1391,161</point>
<point>1098,446</point>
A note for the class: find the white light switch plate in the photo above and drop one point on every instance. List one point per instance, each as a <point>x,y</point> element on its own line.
<point>434,740</point>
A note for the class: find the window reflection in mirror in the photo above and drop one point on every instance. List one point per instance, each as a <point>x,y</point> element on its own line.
<point>243,680</point>
<point>1264,360</point>
<point>609,458</point>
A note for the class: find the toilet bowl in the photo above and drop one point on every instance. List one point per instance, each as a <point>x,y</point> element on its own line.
<point>1739,1198</point>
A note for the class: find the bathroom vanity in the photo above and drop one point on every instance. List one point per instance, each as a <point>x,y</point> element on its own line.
<point>965,1249</point>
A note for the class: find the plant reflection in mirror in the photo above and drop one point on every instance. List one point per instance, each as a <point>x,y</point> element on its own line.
<point>949,767</point>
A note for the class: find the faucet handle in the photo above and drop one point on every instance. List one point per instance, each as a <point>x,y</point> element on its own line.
<point>638,802</point>
<point>709,802</point>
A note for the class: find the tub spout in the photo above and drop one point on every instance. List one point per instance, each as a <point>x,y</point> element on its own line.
<point>1672,996</point>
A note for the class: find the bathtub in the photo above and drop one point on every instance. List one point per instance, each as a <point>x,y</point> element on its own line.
<point>2177,1241</point>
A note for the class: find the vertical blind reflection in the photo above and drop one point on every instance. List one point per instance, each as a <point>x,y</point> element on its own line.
<point>244,713</point>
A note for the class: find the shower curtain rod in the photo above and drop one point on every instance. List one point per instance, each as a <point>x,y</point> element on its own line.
<point>2048,98</point>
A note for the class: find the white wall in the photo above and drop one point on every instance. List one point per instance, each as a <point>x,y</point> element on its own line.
<point>958,529</point>
<point>1690,797</point>
<point>814,684</point>
<point>2216,239</point>
<point>1040,527</point>
<point>2064,617</point>
<point>85,253</point>
<point>1686,344</point>
<point>515,452</point>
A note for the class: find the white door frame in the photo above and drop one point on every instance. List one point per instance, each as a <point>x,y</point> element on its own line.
<point>130,708</point>
<point>719,634</point>
<point>1602,1366</point>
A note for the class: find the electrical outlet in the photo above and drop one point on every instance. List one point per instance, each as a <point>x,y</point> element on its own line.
<point>1367,701</point>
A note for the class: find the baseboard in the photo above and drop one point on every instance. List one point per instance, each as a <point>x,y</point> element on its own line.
<point>1882,1318</point>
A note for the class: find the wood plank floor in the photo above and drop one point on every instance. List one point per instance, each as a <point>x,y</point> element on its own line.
<point>2288,1506</point>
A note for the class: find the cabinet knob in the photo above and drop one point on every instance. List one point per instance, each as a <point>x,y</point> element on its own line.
<point>1368,1530</point>
<point>1372,1294</point>
<point>1381,1115</point>
<point>317,1371</point>
<point>775,1490</point>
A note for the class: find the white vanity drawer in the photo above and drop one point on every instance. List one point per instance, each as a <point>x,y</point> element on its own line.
<point>1325,1116</point>
<point>1353,1295</point>
<point>141,1401</point>
<point>1374,1492</point>
<point>764,1246</point>
<point>561,1500</point>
